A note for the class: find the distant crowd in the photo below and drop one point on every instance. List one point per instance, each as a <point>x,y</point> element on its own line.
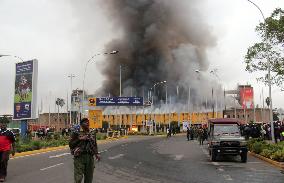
<point>263,131</point>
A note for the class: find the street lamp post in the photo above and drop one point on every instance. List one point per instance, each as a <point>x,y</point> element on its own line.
<point>83,95</point>
<point>213,72</point>
<point>269,75</point>
<point>71,76</point>
<point>12,56</point>
<point>153,87</point>
<point>24,123</point>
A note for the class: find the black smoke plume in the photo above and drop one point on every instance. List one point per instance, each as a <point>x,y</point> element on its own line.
<point>159,40</point>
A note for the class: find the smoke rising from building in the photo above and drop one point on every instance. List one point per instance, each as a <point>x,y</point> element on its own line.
<point>160,40</point>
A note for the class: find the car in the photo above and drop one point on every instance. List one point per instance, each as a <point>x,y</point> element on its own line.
<point>224,138</point>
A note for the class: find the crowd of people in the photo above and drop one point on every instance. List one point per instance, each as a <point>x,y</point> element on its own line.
<point>263,131</point>
<point>251,130</point>
<point>197,132</point>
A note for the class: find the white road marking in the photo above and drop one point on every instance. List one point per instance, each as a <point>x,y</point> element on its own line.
<point>215,163</point>
<point>59,155</point>
<point>64,154</point>
<point>115,157</point>
<point>178,157</point>
<point>51,166</point>
<point>221,169</point>
<point>103,151</point>
<point>227,177</point>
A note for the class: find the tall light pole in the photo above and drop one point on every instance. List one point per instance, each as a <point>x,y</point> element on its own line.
<point>153,87</point>
<point>83,97</point>
<point>71,76</point>
<point>214,73</point>
<point>12,56</point>
<point>120,80</point>
<point>153,95</point>
<point>269,75</point>
<point>24,123</point>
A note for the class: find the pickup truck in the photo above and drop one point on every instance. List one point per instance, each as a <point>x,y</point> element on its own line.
<point>224,138</point>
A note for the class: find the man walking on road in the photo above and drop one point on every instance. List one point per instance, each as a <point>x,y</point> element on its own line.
<point>83,146</point>
<point>7,144</point>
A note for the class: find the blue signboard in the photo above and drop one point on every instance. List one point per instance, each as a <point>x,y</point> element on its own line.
<point>25,93</point>
<point>119,101</point>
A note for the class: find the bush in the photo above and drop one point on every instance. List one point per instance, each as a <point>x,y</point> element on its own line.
<point>272,151</point>
<point>22,145</point>
<point>257,147</point>
<point>133,133</point>
<point>278,155</point>
<point>101,136</point>
<point>36,145</point>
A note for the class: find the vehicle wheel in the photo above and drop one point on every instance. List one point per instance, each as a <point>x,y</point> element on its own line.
<point>213,156</point>
<point>244,157</point>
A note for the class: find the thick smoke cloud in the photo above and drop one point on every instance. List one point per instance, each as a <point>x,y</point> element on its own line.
<point>160,40</point>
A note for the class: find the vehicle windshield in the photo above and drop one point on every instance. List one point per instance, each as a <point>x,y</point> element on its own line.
<point>221,129</point>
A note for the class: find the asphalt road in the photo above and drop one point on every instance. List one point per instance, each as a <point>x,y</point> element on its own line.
<point>145,160</point>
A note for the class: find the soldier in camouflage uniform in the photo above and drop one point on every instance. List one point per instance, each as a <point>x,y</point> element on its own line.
<point>83,146</point>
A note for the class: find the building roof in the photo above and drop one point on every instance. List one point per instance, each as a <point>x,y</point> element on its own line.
<point>224,121</point>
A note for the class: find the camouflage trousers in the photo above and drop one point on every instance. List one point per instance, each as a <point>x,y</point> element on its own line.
<point>84,167</point>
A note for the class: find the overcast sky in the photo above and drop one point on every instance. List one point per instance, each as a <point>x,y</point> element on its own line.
<point>57,33</point>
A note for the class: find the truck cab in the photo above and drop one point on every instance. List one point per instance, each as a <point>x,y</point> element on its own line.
<point>225,139</point>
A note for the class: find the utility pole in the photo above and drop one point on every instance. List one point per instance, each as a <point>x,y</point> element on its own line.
<point>188,106</point>
<point>268,75</point>
<point>120,80</point>
<point>71,76</point>
<point>213,102</point>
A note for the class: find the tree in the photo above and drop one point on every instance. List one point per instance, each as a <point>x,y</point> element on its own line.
<point>59,102</point>
<point>270,50</point>
<point>4,120</point>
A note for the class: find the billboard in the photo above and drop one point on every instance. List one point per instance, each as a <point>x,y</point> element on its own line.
<point>25,93</point>
<point>95,118</point>
<point>185,125</point>
<point>246,97</point>
<point>116,101</point>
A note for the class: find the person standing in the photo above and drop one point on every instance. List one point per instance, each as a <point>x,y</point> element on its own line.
<point>200,135</point>
<point>83,146</point>
<point>187,133</point>
<point>7,145</point>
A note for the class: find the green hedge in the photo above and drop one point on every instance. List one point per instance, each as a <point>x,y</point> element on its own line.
<point>101,136</point>
<point>22,146</point>
<point>272,151</point>
<point>56,140</point>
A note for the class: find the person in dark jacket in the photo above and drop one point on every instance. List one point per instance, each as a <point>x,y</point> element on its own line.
<point>187,133</point>
<point>7,145</point>
<point>83,146</point>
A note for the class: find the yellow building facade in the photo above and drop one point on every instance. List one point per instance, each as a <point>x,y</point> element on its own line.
<point>137,119</point>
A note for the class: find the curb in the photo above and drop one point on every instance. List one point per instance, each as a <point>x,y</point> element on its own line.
<point>27,153</point>
<point>270,161</point>
<point>49,149</point>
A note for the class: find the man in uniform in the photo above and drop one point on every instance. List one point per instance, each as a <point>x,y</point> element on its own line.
<point>7,144</point>
<point>83,146</point>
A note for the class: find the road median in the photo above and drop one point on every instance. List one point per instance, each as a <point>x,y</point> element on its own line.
<point>50,149</point>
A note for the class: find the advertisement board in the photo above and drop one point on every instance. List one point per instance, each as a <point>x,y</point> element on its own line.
<point>246,97</point>
<point>95,118</point>
<point>185,125</point>
<point>25,94</point>
<point>116,101</point>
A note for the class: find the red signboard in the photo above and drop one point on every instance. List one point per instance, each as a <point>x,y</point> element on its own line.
<point>246,96</point>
